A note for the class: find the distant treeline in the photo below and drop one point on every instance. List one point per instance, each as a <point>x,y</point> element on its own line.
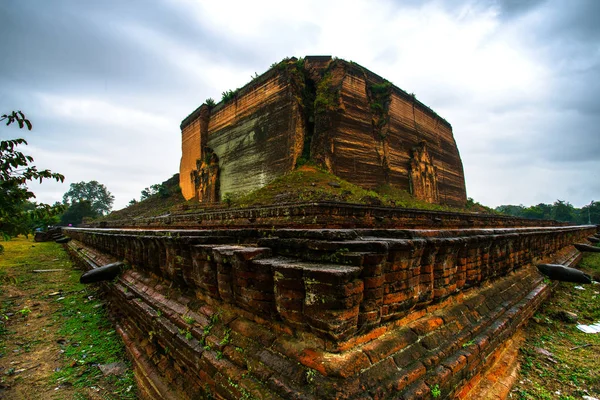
<point>559,211</point>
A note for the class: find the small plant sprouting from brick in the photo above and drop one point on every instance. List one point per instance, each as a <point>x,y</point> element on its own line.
<point>337,256</point>
<point>210,102</point>
<point>227,199</point>
<point>469,343</point>
<point>226,339</point>
<point>186,333</point>
<point>435,391</point>
<point>229,95</point>
<point>188,320</point>
<point>310,375</point>
<point>245,394</point>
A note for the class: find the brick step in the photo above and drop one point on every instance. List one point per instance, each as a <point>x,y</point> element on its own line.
<point>350,252</point>
<point>460,366</point>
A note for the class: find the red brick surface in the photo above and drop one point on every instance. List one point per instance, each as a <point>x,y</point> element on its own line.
<point>287,319</point>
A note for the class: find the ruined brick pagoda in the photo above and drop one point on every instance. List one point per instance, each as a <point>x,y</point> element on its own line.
<point>338,114</point>
<point>321,300</point>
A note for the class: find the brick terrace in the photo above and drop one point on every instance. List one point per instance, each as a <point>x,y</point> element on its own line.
<point>321,313</point>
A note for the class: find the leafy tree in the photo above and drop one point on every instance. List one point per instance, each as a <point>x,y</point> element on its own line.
<point>515,211</point>
<point>591,213</point>
<point>156,189</point>
<point>563,211</point>
<point>560,210</point>
<point>77,211</point>
<point>15,171</point>
<point>95,193</point>
<point>34,216</point>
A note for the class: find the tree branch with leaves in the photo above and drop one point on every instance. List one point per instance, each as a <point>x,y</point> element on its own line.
<point>15,171</point>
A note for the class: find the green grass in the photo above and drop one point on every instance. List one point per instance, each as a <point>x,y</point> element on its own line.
<point>310,183</point>
<point>76,318</point>
<point>92,341</point>
<point>154,205</point>
<point>573,370</point>
<point>307,183</point>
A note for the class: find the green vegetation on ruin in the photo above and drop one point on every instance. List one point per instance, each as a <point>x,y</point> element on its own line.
<point>327,97</point>
<point>310,183</point>
<point>307,183</point>
<point>163,202</point>
<point>558,361</point>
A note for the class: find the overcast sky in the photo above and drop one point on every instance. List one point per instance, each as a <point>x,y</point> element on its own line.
<point>107,83</point>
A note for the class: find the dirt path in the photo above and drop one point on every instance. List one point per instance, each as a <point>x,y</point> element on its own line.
<point>54,335</point>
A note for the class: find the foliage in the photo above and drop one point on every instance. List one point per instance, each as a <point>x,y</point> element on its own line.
<point>75,321</point>
<point>153,205</point>
<point>309,183</point>
<point>475,206</point>
<point>210,102</point>
<point>227,199</point>
<point>380,101</point>
<point>435,391</point>
<point>157,189</point>
<point>19,118</point>
<point>31,216</point>
<point>98,196</point>
<point>569,362</point>
<point>77,211</point>
<point>15,171</point>
<point>281,64</point>
<point>229,95</point>
<point>561,211</point>
<point>327,98</point>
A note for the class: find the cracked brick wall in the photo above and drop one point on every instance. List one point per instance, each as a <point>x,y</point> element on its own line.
<point>321,313</point>
<point>338,114</point>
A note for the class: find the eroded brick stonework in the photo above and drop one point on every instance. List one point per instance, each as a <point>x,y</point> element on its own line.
<point>320,214</point>
<point>321,314</point>
<point>338,114</point>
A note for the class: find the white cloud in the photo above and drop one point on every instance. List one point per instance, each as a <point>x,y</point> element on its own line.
<point>518,84</point>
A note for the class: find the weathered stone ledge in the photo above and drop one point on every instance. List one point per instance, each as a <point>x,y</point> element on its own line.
<point>333,289</point>
<point>319,214</point>
<point>290,316</point>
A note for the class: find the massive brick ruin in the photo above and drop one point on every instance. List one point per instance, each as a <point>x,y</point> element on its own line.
<point>336,113</point>
<point>384,309</point>
<point>322,300</point>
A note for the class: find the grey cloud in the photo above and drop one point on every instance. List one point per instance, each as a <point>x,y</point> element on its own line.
<point>83,45</point>
<point>575,20</point>
<point>511,9</point>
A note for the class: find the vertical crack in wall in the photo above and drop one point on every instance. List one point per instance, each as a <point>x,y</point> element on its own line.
<point>327,106</point>
<point>379,96</point>
<point>305,91</point>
